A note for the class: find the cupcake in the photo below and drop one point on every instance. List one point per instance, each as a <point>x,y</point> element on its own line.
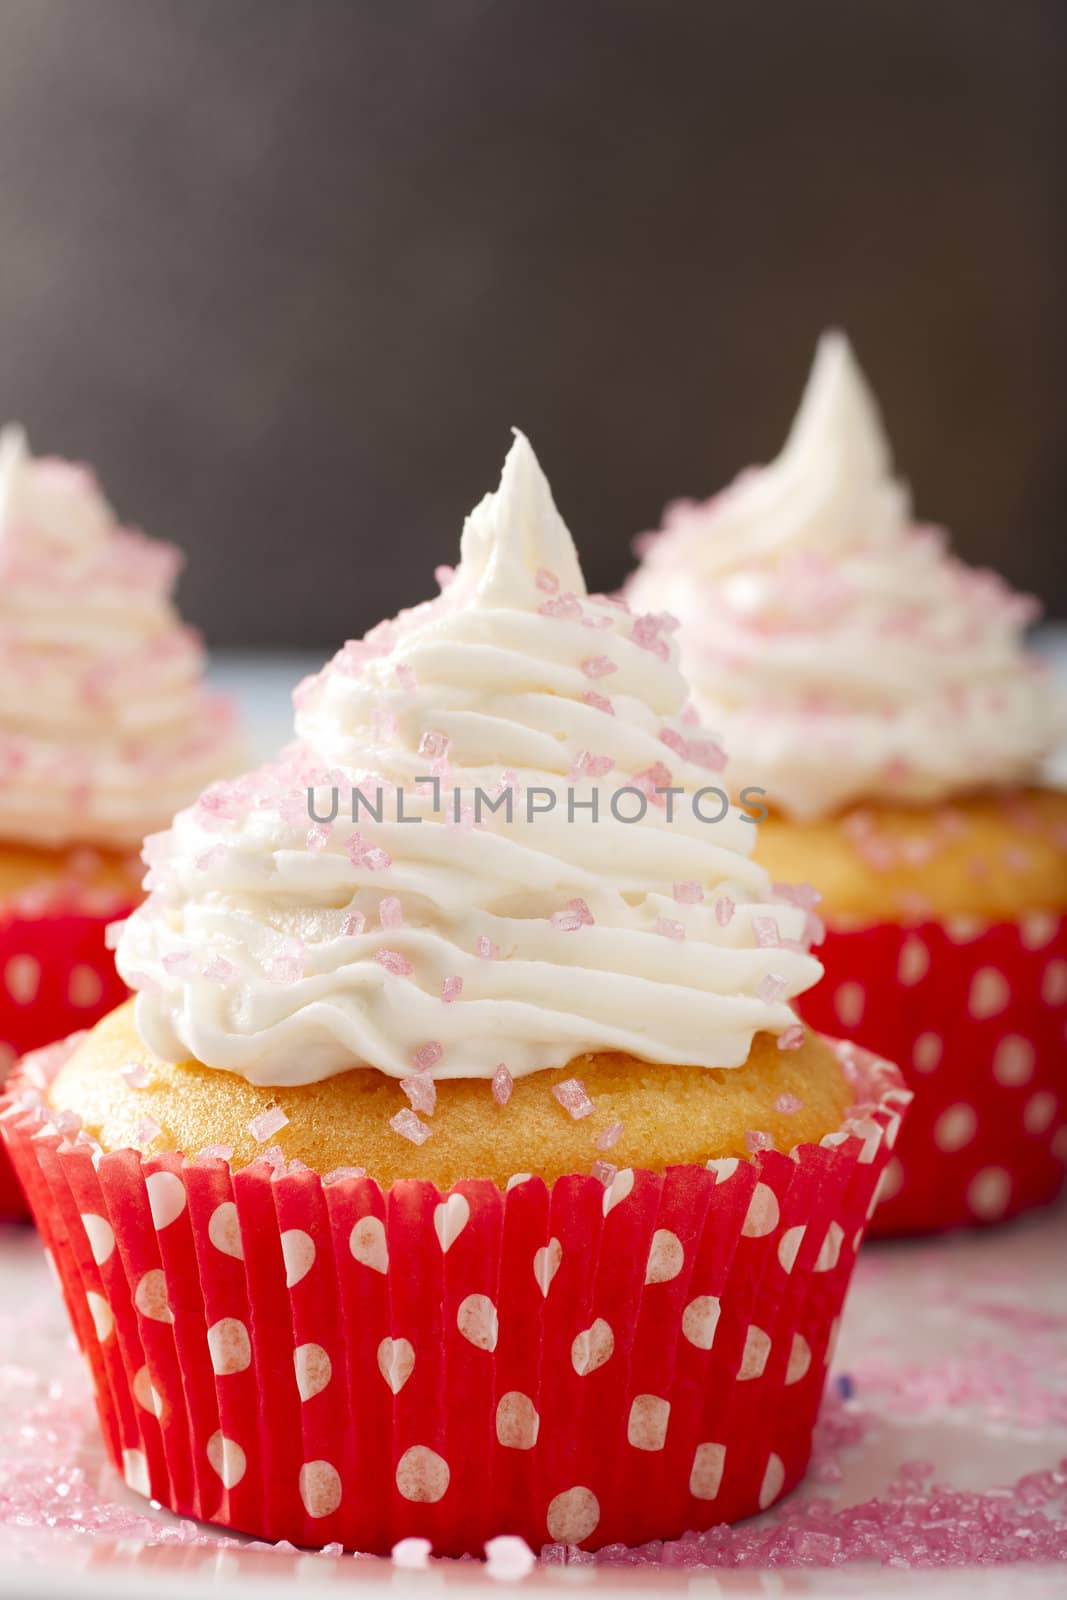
<point>877,695</point>
<point>461,1167</point>
<point>104,730</point>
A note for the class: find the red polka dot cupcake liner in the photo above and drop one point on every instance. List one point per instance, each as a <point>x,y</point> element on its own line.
<point>56,976</point>
<point>582,1363</point>
<point>976,1015</point>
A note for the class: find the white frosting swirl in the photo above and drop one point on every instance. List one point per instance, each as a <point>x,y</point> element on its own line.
<point>288,952</point>
<point>104,725</point>
<point>836,648</point>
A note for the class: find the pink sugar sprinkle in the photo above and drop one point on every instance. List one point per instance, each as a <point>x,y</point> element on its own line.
<point>669,929</point>
<point>405,677</point>
<point>575,915</point>
<point>771,988</point>
<point>353,924</point>
<point>215,1152</point>
<point>265,1124</point>
<point>218,970</point>
<point>408,1126</point>
<point>434,746</point>
<point>755,1140</point>
<point>211,858</point>
<point>599,702</point>
<point>791,1038</point>
<point>590,766</point>
<point>317,836</point>
<point>135,1073</point>
<point>287,969</point>
<point>688,892</point>
<point>573,1098</point>
<point>394,962</point>
<point>421,1091</point>
<point>486,949</point>
<point>609,1136</point>
<point>179,964</point>
<point>547,581</point>
<point>412,1553</point>
<point>377,860</point>
<point>651,779</point>
<point>707,754</point>
<point>508,1557</point>
<point>427,1056</point>
<point>766,931</point>
<point>503,1084</point>
<point>787,1104</point>
<point>339,1174</point>
<point>604,1172</point>
<point>390,912</point>
<point>647,634</point>
<point>674,741</point>
<point>598,666</point>
<point>724,910</point>
<point>147,1130</point>
<point>451,989</point>
<point>566,607</point>
<point>690,716</point>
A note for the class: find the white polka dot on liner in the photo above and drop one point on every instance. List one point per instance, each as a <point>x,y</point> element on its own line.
<point>773,1481</point>
<point>320,1488</point>
<point>101,1313</point>
<point>789,1244</point>
<point>227,1459</point>
<point>224,1230</point>
<point>298,1253</point>
<point>914,961</point>
<point>313,1369</point>
<point>1054,983</point>
<point>705,1479</point>
<point>989,994</point>
<point>229,1346</point>
<point>1039,1111</point>
<point>476,1319</point>
<point>517,1421</point>
<point>927,1052</point>
<point>700,1320</point>
<point>368,1245</point>
<point>646,1428</point>
<point>592,1347</point>
<point>755,1354</point>
<point>955,1127</point>
<point>135,1472</point>
<point>166,1198</point>
<point>101,1236</point>
<point>989,1192</point>
<point>84,986</point>
<point>422,1476</point>
<point>150,1297</point>
<point>799,1359</point>
<point>1037,929</point>
<point>450,1218</point>
<point>22,977</point>
<point>763,1214</point>
<point>850,1002</point>
<point>666,1258</point>
<point>1013,1060</point>
<point>573,1515</point>
<point>546,1263</point>
<point>396,1362</point>
<point>146,1394</point>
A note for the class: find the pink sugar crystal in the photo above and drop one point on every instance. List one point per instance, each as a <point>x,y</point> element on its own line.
<point>179,964</point>
<point>421,1091</point>
<point>215,1152</point>
<point>586,765</point>
<point>786,1104</point>
<point>668,928</point>
<point>609,1136</point>
<point>755,1140</point>
<point>547,581</point>
<point>376,860</point>
<point>289,966</point>
<point>391,912</point>
<point>503,1083</point>
<point>405,677</point>
<point>135,1074</point>
<point>408,1126</point>
<point>598,666</point>
<point>674,741</point>
<point>427,1056</point>
<point>211,858</point>
<point>690,716</point>
<point>339,1174</point>
<point>147,1130</point>
<point>766,931</point>
<point>647,631</point>
<point>565,607</point>
<point>451,989</point>
<point>509,1558</point>
<point>707,754</point>
<point>791,1038</point>
<point>394,962</point>
<point>353,924</point>
<point>599,702</point>
<point>688,892</point>
<point>604,1172</point>
<point>317,836</point>
<point>573,1098</point>
<point>724,910</point>
<point>265,1124</point>
<point>486,949</point>
<point>412,1553</point>
<point>434,746</point>
<point>576,914</point>
<point>652,779</point>
<point>218,970</point>
<point>771,988</point>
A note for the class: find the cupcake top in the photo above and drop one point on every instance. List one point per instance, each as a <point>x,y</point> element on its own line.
<point>105,727</point>
<point>444,872</point>
<point>838,649</point>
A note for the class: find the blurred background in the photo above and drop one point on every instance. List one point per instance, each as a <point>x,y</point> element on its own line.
<point>287,273</point>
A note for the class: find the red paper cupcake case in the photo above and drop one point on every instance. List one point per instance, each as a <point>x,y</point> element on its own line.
<point>574,1363</point>
<point>976,1015</point>
<point>56,976</point>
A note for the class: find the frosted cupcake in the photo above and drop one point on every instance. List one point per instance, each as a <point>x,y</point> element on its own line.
<point>463,1169</point>
<point>880,693</point>
<point>104,730</point>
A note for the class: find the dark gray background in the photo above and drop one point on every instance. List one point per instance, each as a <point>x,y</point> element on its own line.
<point>286,271</point>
